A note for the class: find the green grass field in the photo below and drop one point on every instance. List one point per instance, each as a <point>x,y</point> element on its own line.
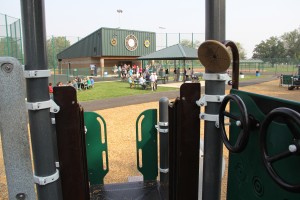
<point>104,90</point>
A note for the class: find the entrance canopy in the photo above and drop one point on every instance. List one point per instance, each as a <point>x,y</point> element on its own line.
<point>175,52</point>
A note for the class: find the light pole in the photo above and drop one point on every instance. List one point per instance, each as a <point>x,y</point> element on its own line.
<point>163,28</point>
<point>119,12</point>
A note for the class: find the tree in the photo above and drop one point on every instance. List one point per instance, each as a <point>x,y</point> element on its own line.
<point>242,52</point>
<point>272,50</point>
<point>54,46</point>
<point>291,41</point>
<point>188,43</point>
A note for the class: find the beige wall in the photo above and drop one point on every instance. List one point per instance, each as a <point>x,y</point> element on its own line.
<point>80,63</point>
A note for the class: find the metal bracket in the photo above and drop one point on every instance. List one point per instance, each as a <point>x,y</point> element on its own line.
<point>210,117</point>
<point>216,77</point>
<point>46,179</point>
<point>164,170</point>
<point>162,130</point>
<point>54,107</point>
<point>209,98</point>
<point>37,73</point>
<point>53,121</point>
<point>38,105</point>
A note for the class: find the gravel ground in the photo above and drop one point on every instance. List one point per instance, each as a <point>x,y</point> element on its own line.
<point>121,135</point>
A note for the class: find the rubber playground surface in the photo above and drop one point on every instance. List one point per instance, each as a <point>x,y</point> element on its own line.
<point>120,120</point>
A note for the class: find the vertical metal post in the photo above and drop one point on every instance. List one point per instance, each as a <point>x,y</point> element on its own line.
<point>53,57</point>
<point>164,144</point>
<point>179,38</point>
<point>33,21</point>
<point>21,42</point>
<point>192,40</point>
<point>166,40</point>
<point>213,152</point>
<point>7,38</point>
<point>16,46</point>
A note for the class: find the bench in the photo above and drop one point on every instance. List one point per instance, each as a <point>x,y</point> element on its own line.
<point>162,79</point>
<point>136,84</point>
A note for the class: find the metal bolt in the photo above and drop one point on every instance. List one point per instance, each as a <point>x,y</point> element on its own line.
<point>202,104</point>
<point>7,67</point>
<point>20,196</point>
<point>202,116</point>
<point>238,123</point>
<point>217,124</point>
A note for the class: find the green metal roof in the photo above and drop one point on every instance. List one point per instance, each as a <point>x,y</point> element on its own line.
<point>175,52</point>
<point>99,43</point>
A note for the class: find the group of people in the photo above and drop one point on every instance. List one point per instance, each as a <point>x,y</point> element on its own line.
<point>187,74</point>
<point>144,80</point>
<point>77,83</point>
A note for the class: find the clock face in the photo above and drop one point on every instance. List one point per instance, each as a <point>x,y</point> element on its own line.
<point>131,42</point>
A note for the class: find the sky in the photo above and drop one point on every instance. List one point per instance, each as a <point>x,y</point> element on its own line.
<point>247,21</point>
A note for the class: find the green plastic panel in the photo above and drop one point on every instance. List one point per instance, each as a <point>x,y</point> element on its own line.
<point>247,176</point>
<point>146,144</point>
<point>96,147</point>
<point>287,79</point>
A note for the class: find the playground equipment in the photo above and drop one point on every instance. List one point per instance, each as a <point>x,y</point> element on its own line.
<point>291,81</point>
<point>264,138</point>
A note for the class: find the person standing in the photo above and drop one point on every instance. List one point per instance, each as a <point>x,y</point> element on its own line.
<point>152,81</point>
<point>50,88</point>
<point>92,67</point>
<point>137,71</point>
<point>175,75</point>
<point>167,74</point>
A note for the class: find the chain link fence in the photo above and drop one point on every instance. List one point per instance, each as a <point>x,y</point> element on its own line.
<point>11,45</point>
<point>11,37</point>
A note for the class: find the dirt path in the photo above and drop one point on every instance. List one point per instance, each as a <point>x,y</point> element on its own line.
<point>121,135</point>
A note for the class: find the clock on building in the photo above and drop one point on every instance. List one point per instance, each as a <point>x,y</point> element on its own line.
<point>131,42</point>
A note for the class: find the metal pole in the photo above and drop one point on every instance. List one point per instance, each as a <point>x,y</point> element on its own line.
<point>164,144</point>
<point>21,42</point>
<point>213,152</point>
<point>33,21</point>
<point>166,40</point>
<point>7,38</point>
<point>53,57</point>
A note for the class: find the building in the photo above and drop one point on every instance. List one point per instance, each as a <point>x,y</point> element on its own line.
<point>107,47</point>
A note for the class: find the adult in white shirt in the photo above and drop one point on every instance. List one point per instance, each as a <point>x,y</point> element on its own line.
<point>152,81</point>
